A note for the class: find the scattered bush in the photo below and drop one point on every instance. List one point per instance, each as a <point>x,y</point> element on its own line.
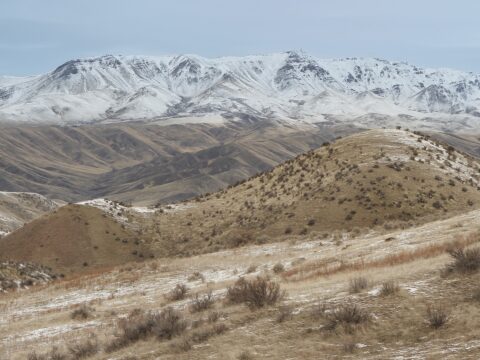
<point>181,345</point>
<point>140,325</point>
<point>204,334</point>
<point>168,323</point>
<point>357,284</point>
<point>476,295</point>
<point>278,268</point>
<point>245,355</point>
<point>349,347</point>
<point>82,313</point>
<point>202,303</point>
<point>347,315</point>
<point>196,276</point>
<point>284,313</point>
<point>436,317</point>
<point>81,350</point>
<point>255,293</point>
<point>213,317</point>
<point>464,260</point>
<point>389,288</point>
<point>34,356</point>
<point>177,293</point>
<point>53,354</point>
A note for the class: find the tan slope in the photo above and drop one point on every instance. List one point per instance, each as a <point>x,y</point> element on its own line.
<point>378,178</point>
<point>73,238</point>
<point>17,208</point>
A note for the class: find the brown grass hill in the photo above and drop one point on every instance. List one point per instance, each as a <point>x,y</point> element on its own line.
<point>73,238</point>
<point>375,179</point>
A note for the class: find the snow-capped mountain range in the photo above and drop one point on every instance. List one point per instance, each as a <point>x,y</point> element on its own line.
<point>290,86</point>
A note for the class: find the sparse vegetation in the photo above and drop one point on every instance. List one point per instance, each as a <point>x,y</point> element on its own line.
<point>389,287</point>
<point>202,302</point>
<point>196,276</point>
<point>84,349</point>
<point>347,315</point>
<point>358,284</point>
<point>140,325</point>
<point>177,293</point>
<point>464,260</point>
<point>82,313</point>
<point>278,268</point>
<point>285,313</point>
<point>436,317</point>
<point>255,293</point>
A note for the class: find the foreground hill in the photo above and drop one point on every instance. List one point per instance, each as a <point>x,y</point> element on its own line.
<point>73,238</point>
<point>378,178</point>
<point>17,208</point>
<point>382,308</point>
<point>290,85</point>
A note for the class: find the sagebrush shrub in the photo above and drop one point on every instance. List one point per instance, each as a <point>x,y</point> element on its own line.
<point>255,293</point>
<point>464,260</point>
<point>358,284</point>
<point>436,317</point>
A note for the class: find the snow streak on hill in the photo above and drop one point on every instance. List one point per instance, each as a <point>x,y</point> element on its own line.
<point>289,86</point>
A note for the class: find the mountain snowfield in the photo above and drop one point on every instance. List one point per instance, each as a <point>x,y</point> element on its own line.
<point>288,86</point>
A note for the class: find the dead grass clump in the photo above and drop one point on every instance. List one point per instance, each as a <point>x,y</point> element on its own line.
<point>349,347</point>
<point>177,293</point>
<point>255,293</point>
<point>476,295</point>
<point>84,349</point>
<point>245,355</point>
<point>284,313</point>
<point>278,268</point>
<point>347,315</point>
<point>82,313</point>
<point>140,325</point>
<point>357,284</point>
<point>181,345</point>
<point>196,276</point>
<point>436,317</point>
<point>213,317</point>
<point>464,260</point>
<point>202,303</point>
<point>389,287</point>
<point>168,323</point>
<point>203,335</point>
<point>53,354</point>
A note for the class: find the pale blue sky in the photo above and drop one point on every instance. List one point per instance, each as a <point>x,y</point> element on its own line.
<point>38,35</point>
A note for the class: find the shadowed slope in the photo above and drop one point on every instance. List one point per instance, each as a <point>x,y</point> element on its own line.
<point>73,238</point>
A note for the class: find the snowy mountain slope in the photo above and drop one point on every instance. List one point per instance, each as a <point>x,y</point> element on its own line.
<point>286,86</point>
<point>17,208</point>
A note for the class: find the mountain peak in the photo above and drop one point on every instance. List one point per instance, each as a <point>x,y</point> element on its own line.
<point>290,86</point>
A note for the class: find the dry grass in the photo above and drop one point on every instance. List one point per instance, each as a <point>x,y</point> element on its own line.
<point>177,293</point>
<point>322,268</point>
<point>348,315</point>
<point>201,302</point>
<point>389,287</point>
<point>436,317</point>
<point>139,325</point>
<point>357,284</point>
